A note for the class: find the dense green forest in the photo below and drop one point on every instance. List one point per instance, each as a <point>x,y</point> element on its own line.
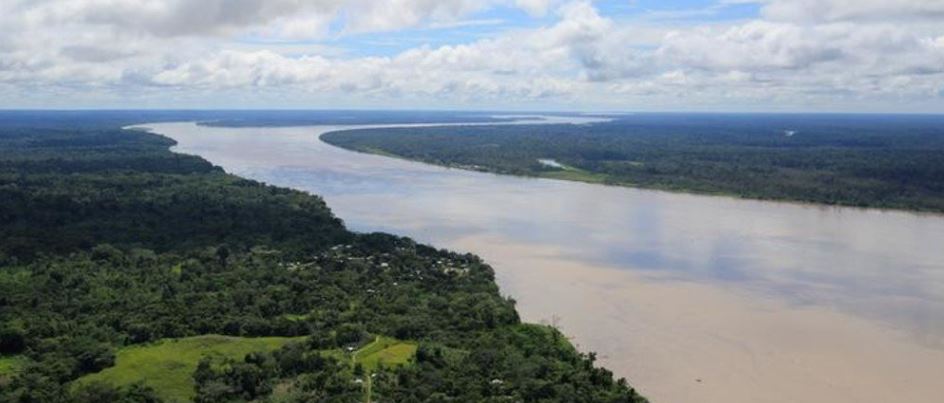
<point>115,249</point>
<point>856,160</point>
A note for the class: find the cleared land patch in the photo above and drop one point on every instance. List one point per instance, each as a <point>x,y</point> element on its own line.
<point>389,351</point>
<point>168,365</point>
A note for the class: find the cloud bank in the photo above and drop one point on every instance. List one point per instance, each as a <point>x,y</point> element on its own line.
<point>844,55</point>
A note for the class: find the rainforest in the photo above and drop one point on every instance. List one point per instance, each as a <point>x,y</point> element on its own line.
<point>131,273</point>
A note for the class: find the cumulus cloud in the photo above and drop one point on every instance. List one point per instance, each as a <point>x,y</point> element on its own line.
<point>854,10</point>
<point>167,17</point>
<point>860,59</point>
<point>754,46</point>
<point>864,52</point>
<point>187,17</point>
<point>555,60</point>
<point>536,7</point>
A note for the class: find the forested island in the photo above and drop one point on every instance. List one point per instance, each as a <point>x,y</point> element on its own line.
<point>129,273</point>
<point>883,161</point>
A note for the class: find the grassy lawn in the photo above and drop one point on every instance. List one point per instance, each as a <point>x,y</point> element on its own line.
<point>386,350</point>
<point>168,365</point>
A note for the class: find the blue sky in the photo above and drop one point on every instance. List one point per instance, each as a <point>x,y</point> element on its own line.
<point>690,55</point>
<point>493,21</point>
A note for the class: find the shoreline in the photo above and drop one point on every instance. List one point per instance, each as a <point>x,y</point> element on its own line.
<point>661,333</point>
<point>603,182</point>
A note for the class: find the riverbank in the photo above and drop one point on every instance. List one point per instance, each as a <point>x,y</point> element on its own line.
<point>748,296</point>
<point>121,251</point>
<point>889,163</point>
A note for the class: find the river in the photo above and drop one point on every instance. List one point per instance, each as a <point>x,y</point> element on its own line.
<point>691,298</point>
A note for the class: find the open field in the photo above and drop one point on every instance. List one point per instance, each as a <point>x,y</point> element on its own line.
<point>390,352</point>
<point>168,365</point>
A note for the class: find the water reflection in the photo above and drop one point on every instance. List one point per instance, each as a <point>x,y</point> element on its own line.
<point>761,301</point>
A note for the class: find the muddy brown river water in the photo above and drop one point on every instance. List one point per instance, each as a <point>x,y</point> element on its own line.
<point>692,298</point>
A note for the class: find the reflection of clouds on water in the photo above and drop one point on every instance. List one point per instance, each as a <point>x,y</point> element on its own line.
<point>883,266</point>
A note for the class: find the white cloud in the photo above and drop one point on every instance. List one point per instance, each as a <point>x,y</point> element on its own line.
<point>853,10</point>
<point>170,18</point>
<point>522,65</point>
<point>838,54</point>
<point>536,7</point>
<point>755,45</point>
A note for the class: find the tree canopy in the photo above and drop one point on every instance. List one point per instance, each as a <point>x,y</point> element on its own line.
<point>855,160</point>
<point>112,241</point>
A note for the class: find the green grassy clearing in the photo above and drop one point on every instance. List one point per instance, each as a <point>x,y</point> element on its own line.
<point>168,365</point>
<point>383,350</point>
<point>386,350</point>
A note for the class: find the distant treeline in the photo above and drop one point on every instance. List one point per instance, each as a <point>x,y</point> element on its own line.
<point>880,161</point>
<point>109,240</point>
<point>39,119</point>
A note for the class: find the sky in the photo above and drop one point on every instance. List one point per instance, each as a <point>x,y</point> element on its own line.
<point>608,55</point>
